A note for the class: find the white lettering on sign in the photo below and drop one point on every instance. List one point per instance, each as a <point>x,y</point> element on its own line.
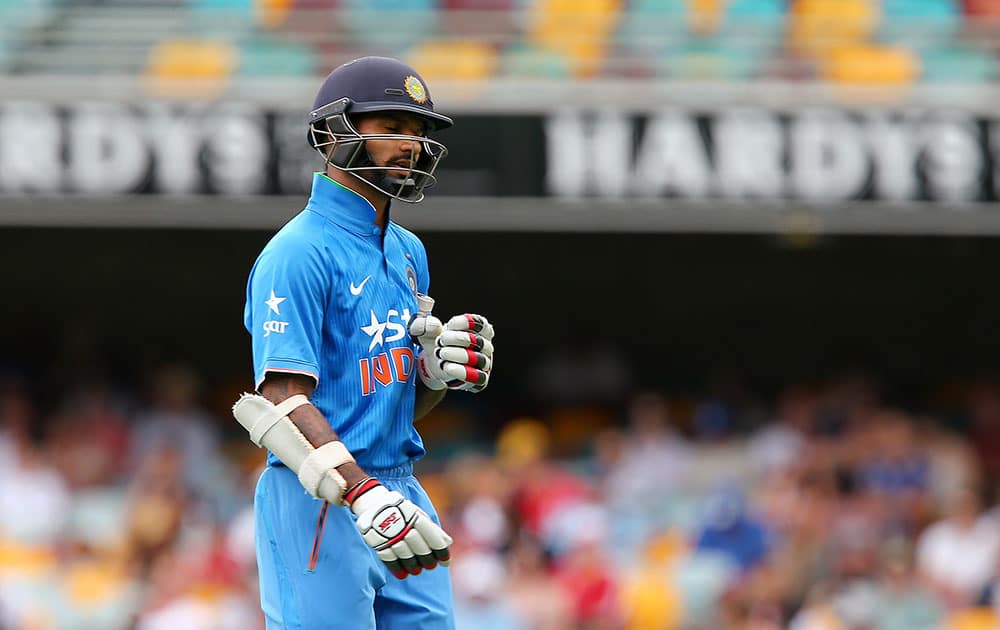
<point>591,155</point>
<point>672,158</point>
<point>736,153</point>
<point>30,146</point>
<point>749,150</point>
<point>994,133</point>
<point>894,146</point>
<point>812,154</point>
<point>106,149</point>
<point>827,156</point>
<point>175,138</point>
<point>236,149</point>
<point>953,159</point>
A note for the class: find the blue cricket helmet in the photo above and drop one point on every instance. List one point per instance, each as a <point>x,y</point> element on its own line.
<point>375,84</point>
<point>378,84</point>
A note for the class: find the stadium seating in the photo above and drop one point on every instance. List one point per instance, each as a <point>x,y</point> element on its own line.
<point>819,25</point>
<point>871,64</point>
<point>577,29</point>
<point>982,8</point>
<point>923,22</point>
<point>269,57</point>
<point>723,40</point>
<point>192,59</point>
<point>712,60</point>
<point>531,62</point>
<point>18,17</point>
<point>457,60</point>
<point>959,64</point>
<point>652,26</point>
<point>370,24</point>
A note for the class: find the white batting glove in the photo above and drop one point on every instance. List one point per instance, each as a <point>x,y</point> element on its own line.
<point>404,536</point>
<point>460,357</point>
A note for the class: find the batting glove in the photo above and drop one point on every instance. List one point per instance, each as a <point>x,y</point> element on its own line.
<point>459,357</point>
<point>402,534</point>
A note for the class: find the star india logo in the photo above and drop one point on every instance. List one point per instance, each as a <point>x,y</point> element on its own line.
<point>382,332</point>
<point>273,325</point>
<point>393,364</point>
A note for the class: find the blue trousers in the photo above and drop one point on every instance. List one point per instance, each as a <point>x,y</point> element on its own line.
<point>317,573</point>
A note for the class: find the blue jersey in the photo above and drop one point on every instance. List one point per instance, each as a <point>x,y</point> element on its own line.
<point>330,297</point>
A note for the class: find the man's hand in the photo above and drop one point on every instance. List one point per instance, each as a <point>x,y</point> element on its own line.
<point>457,355</point>
<point>402,534</point>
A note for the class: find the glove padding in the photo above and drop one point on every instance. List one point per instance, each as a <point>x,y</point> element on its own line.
<point>404,536</point>
<point>459,356</point>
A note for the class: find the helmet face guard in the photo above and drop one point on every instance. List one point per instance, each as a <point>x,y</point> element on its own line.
<point>344,148</point>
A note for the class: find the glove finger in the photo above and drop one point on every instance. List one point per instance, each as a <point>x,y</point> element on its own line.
<point>424,328</point>
<point>472,323</point>
<point>459,339</point>
<point>389,559</point>
<point>397,570</point>
<point>423,553</point>
<point>458,375</point>
<point>475,388</point>
<point>387,555</point>
<point>407,558</point>
<point>443,556</point>
<point>435,537</point>
<point>465,356</point>
<point>438,540</point>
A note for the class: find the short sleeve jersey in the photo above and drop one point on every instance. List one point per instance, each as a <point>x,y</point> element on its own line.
<point>329,297</point>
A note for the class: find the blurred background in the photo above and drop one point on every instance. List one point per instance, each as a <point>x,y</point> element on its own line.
<point>741,255</point>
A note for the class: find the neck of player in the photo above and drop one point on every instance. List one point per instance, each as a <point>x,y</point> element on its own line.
<point>378,199</point>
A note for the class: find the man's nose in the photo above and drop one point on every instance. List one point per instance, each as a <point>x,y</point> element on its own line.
<point>410,146</point>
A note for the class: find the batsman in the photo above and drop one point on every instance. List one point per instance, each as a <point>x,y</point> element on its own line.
<point>347,355</point>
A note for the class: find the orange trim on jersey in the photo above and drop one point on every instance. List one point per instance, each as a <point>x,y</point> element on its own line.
<point>318,538</point>
<point>286,371</point>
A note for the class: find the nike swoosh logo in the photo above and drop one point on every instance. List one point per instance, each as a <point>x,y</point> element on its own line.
<point>356,290</point>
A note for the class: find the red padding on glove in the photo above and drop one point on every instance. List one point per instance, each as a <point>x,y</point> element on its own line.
<point>360,489</point>
<point>398,537</point>
<point>472,375</point>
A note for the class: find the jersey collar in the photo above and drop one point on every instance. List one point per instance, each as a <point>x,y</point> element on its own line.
<point>342,205</point>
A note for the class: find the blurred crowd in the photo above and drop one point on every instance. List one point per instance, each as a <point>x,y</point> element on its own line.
<point>823,508</point>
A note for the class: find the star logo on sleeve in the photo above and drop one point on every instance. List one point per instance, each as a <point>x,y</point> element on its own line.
<point>274,302</point>
<point>375,330</point>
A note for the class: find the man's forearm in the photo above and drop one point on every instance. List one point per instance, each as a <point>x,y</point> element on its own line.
<point>427,399</point>
<point>309,420</point>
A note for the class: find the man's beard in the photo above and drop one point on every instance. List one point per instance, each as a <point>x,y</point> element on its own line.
<point>386,181</point>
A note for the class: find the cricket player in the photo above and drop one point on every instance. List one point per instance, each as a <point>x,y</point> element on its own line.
<point>347,355</point>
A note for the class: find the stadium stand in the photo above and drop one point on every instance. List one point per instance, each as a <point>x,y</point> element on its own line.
<point>824,40</point>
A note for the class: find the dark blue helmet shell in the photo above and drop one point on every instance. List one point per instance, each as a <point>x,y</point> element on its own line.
<point>375,84</point>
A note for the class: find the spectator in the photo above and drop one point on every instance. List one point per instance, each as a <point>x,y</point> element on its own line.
<point>537,599</point>
<point>959,553</point>
<point>481,599</point>
<point>732,531</point>
<point>175,419</point>
<point>904,603</point>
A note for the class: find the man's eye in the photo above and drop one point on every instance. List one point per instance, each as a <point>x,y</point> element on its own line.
<point>392,129</point>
